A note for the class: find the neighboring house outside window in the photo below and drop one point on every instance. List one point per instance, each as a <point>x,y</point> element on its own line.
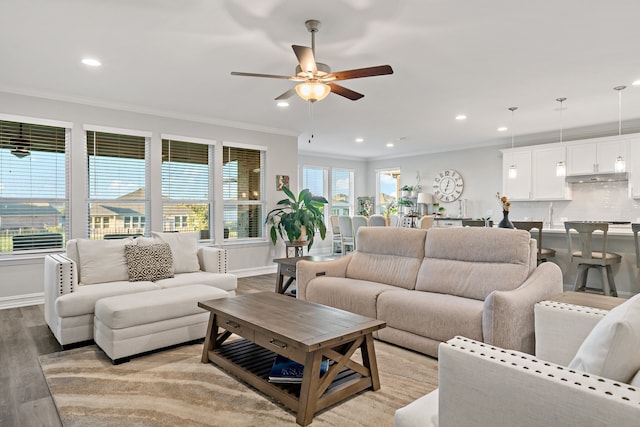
<point>117,179</point>
<point>33,185</point>
<point>242,191</point>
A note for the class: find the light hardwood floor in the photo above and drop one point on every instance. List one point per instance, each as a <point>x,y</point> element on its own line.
<point>24,396</point>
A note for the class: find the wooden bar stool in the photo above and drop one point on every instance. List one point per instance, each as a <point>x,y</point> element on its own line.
<point>587,258</point>
<point>543,253</point>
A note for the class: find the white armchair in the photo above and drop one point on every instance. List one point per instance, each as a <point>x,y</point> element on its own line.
<point>484,385</point>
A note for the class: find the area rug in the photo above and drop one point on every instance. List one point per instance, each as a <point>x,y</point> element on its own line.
<point>173,388</point>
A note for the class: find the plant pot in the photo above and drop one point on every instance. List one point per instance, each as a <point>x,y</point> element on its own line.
<point>414,194</point>
<point>303,235</point>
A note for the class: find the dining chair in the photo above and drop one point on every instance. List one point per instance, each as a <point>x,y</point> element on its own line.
<point>475,223</point>
<point>635,228</point>
<point>426,221</point>
<point>587,258</point>
<point>543,253</point>
<point>394,220</point>
<point>335,231</point>
<point>346,233</point>
<point>377,221</point>
<point>358,221</point>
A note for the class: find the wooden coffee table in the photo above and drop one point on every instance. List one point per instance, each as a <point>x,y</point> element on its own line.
<point>271,323</point>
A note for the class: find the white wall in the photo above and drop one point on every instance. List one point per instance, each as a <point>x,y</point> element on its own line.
<point>22,276</point>
<point>481,170</point>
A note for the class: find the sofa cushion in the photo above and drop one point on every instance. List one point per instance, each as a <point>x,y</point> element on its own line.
<point>225,281</point>
<point>388,255</point>
<point>611,349</point>
<point>436,316</point>
<point>472,262</point>
<point>102,261</point>
<point>149,262</point>
<point>184,248</point>
<point>356,296</point>
<point>83,300</point>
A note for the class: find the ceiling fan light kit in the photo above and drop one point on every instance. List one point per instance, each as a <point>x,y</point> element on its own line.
<point>316,81</point>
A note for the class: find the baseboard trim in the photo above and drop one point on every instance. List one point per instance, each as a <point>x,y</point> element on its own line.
<point>255,271</point>
<point>21,300</point>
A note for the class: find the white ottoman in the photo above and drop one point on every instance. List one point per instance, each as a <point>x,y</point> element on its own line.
<point>126,325</point>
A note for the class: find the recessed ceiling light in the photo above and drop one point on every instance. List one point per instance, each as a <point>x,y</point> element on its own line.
<point>636,83</point>
<point>503,129</point>
<point>91,62</point>
<point>461,117</point>
<point>282,104</point>
<point>389,144</point>
<point>359,139</point>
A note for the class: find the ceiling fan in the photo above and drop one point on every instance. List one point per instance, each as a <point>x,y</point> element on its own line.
<point>316,79</point>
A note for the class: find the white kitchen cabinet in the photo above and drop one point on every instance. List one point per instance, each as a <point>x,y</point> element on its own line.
<point>547,185</point>
<point>595,157</point>
<point>518,187</point>
<point>633,166</point>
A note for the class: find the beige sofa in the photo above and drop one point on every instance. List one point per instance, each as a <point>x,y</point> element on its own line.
<point>92,270</point>
<point>432,285</point>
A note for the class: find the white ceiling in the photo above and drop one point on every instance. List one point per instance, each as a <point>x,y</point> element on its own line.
<point>449,56</point>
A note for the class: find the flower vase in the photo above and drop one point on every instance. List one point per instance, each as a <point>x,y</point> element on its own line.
<point>505,223</point>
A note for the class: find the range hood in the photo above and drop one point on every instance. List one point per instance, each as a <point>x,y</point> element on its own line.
<point>598,177</point>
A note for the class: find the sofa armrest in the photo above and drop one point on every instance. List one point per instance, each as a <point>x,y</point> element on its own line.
<point>508,319</point>
<point>484,385</point>
<point>309,270</point>
<point>60,278</point>
<point>212,260</point>
<point>561,328</point>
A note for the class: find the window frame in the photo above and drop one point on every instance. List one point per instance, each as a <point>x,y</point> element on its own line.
<point>381,207</point>
<point>262,201</point>
<point>64,200</point>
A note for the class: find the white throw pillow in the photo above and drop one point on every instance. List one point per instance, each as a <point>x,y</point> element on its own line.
<point>102,261</point>
<point>184,248</point>
<point>612,347</point>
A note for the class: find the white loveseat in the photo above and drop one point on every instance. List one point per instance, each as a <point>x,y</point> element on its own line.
<point>94,269</point>
<point>569,383</point>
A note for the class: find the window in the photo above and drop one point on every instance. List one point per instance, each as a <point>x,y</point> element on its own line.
<point>117,170</point>
<point>342,192</point>
<point>315,179</point>
<point>387,187</point>
<point>242,184</point>
<point>185,187</point>
<point>33,200</point>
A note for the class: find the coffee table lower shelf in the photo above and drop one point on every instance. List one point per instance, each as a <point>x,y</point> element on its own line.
<point>252,364</point>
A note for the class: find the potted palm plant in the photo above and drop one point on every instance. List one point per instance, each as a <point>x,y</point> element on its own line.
<point>296,219</point>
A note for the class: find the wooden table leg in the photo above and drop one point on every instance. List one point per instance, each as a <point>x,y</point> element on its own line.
<point>309,389</point>
<point>279,280</point>
<point>210,337</point>
<point>369,360</point>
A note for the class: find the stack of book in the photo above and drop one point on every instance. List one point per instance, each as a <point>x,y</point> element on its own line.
<point>285,370</point>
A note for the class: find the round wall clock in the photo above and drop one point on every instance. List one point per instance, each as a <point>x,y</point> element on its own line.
<point>448,185</point>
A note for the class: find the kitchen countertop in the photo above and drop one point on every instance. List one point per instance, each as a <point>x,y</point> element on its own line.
<point>614,229</point>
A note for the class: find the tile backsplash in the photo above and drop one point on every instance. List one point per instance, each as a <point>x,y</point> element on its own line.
<point>592,201</point>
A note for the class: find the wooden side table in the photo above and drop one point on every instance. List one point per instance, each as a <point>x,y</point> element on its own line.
<point>287,267</point>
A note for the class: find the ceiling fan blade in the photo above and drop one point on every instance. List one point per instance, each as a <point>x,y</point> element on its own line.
<point>271,76</point>
<point>288,94</point>
<point>305,58</point>
<point>343,91</point>
<point>380,70</point>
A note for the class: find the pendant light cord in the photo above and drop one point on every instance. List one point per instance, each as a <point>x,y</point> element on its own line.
<point>619,89</point>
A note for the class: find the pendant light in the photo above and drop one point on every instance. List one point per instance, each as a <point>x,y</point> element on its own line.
<point>561,166</point>
<point>619,166</point>
<point>513,169</point>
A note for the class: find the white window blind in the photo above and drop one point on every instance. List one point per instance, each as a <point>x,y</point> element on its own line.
<point>342,197</point>
<point>117,177</point>
<point>185,187</point>
<point>33,178</point>
<point>315,179</point>
<point>242,192</point>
